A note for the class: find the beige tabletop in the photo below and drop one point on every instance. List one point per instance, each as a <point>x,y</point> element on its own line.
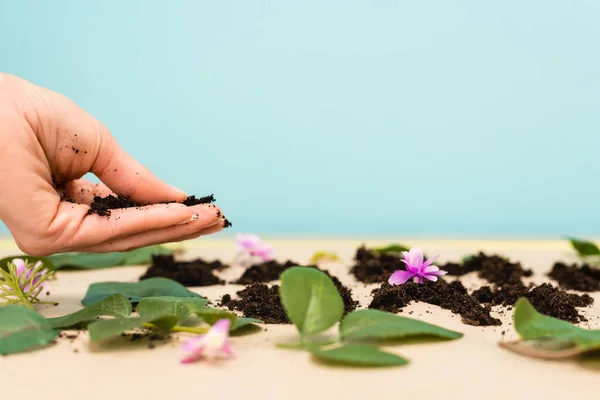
<point>473,367</point>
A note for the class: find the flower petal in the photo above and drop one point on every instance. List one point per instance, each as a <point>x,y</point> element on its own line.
<point>399,277</point>
<point>193,345</point>
<point>415,257</point>
<point>430,261</point>
<point>227,348</point>
<point>431,268</point>
<point>221,326</point>
<point>432,278</point>
<point>20,264</point>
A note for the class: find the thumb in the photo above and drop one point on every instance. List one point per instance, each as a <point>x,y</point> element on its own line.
<point>124,175</point>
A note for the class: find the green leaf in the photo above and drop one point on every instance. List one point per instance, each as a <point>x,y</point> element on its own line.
<point>242,322</point>
<point>532,325</point>
<point>87,260</point>
<point>584,248</point>
<point>547,349</point>
<point>392,248</point>
<point>21,328</point>
<point>310,299</point>
<point>358,355</point>
<point>212,315</point>
<point>155,309</point>
<point>45,260</point>
<point>144,255</point>
<point>380,325</point>
<point>115,306</point>
<point>106,260</point>
<point>135,291</point>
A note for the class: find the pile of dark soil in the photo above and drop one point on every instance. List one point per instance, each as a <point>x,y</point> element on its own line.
<point>451,296</point>
<point>582,278</point>
<point>188,273</point>
<point>371,267</point>
<point>494,269</point>
<point>103,205</point>
<point>258,301</point>
<point>271,270</point>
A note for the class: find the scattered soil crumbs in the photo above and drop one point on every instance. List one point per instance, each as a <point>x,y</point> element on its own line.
<point>371,267</point>
<point>451,296</point>
<point>258,301</point>
<point>584,278</point>
<point>494,269</point>
<point>151,337</point>
<point>545,298</point>
<point>270,271</point>
<point>103,205</point>
<point>188,273</point>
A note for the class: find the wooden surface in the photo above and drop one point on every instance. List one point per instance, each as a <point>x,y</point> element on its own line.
<point>471,368</point>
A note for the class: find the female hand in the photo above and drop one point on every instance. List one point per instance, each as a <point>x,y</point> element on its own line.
<point>47,143</point>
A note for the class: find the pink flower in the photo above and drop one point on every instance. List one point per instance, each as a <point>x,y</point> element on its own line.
<point>247,242</point>
<point>262,251</point>
<point>24,274</point>
<point>416,269</point>
<point>213,344</point>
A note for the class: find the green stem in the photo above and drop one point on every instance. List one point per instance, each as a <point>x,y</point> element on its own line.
<point>178,328</point>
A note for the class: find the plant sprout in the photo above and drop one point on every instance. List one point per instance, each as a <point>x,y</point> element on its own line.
<point>23,282</point>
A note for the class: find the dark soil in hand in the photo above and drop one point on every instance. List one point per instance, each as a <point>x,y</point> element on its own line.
<point>371,267</point>
<point>450,296</point>
<point>545,298</point>
<point>103,205</point>
<point>271,270</point>
<point>494,269</point>
<point>188,273</point>
<point>258,301</point>
<point>582,278</point>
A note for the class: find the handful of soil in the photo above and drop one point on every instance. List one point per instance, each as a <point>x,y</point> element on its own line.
<point>103,205</point>
<point>188,273</point>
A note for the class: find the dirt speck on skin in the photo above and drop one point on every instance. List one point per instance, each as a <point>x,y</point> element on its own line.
<point>451,296</point>
<point>189,273</point>
<point>583,278</point>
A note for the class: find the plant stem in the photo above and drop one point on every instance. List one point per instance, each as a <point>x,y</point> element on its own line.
<point>178,328</point>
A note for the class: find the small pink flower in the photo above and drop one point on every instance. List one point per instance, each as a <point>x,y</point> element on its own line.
<point>214,344</point>
<point>247,242</point>
<point>24,274</point>
<point>416,269</point>
<point>262,251</point>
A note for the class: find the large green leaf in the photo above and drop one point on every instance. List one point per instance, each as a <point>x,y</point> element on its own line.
<point>155,309</point>
<point>532,325</point>
<point>242,322</point>
<point>106,260</point>
<point>135,291</point>
<point>45,260</point>
<point>380,325</point>
<point>115,306</point>
<point>22,328</point>
<point>311,300</point>
<point>583,248</point>
<point>358,355</point>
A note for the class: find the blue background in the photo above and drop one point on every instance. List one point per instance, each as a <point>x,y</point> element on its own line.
<point>341,117</point>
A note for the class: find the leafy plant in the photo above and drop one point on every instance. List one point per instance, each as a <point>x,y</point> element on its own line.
<point>547,337</point>
<point>313,304</point>
<point>21,328</point>
<point>116,305</point>
<point>135,291</point>
<point>22,282</point>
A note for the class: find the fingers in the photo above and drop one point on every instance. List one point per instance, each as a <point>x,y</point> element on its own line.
<point>180,233</point>
<point>124,175</point>
<point>83,191</point>
<point>131,221</point>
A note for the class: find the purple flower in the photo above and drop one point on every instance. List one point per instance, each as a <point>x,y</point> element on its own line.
<point>24,274</point>
<point>262,251</point>
<point>416,269</point>
<point>214,344</point>
<point>247,242</point>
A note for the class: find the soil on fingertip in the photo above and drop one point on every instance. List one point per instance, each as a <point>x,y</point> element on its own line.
<point>258,301</point>
<point>103,205</point>
<point>189,273</point>
<point>271,270</point>
<point>583,278</point>
<point>493,268</point>
<point>451,296</point>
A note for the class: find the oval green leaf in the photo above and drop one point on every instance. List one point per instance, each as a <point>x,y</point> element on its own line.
<point>115,306</point>
<point>363,355</point>
<point>584,248</point>
<point>311,300</point>
<point>164,313</point>
<point>380,325</point>
<point>392,248</point>
<point>135,291</point>
<point>22,328</point>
